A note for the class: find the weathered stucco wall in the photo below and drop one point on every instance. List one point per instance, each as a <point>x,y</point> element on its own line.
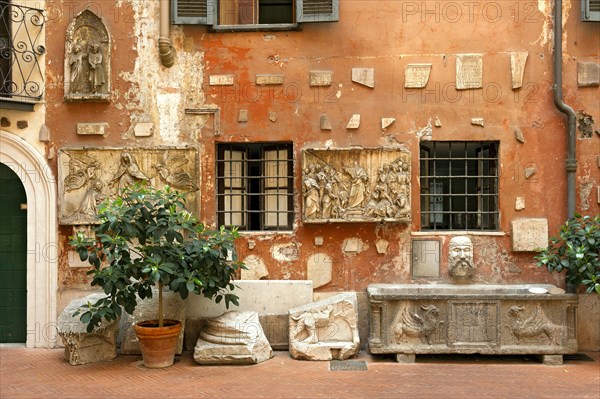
<point>386,36</point>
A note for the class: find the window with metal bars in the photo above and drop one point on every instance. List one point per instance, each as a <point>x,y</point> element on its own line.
<point>459,185</point>
<point>255,186</point>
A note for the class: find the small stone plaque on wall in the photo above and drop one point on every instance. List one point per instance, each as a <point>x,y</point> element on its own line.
<point>469,71</point>
<point>416,76</point>
<point>529,234</point>
<point>356,185</point>
<point>88,176</point>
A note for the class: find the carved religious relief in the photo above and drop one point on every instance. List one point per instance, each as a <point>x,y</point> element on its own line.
<point>87,59</point>
<point>534,326</point>
<point>89,176</point>
<point>356,185</point>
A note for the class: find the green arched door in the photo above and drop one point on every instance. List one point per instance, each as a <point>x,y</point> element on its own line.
<point>13,261</point>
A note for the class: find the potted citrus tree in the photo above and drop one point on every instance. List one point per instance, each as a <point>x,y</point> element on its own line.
<point>147,238</point>
<point>575,251</point>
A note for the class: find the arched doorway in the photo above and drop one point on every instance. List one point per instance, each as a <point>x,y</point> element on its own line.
<point>42,229</point>
<point>13,260</point>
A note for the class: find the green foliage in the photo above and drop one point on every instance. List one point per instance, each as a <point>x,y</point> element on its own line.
<point>576,252</point>
<point>146,238</point>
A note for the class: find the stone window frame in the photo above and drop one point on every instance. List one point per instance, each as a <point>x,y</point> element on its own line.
<point>472,204</point>
<point>245,191</point>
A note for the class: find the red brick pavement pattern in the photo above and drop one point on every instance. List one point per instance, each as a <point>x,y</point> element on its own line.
<point>39,373</point>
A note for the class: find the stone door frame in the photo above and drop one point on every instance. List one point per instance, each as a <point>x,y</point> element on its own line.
<point>42,244</point>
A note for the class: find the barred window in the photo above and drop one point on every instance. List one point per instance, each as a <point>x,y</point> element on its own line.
<point>459,185</point>
<point>255,186</point>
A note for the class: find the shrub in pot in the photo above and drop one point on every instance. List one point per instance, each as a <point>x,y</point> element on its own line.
<point>575,251</point>
<point>147,238</point>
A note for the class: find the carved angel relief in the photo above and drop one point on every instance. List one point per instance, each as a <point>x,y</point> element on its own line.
<point>348,185</point>
<point>89,176</point>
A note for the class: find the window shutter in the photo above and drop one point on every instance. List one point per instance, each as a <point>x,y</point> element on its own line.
<point>317,10</point>
<point>195,12</point>
<point>590,10</point>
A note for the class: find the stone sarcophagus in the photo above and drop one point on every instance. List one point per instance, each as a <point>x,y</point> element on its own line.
<point>488,319</point>
<point>356,185</point>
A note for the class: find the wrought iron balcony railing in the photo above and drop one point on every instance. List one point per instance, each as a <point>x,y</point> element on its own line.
<point>21,36</point>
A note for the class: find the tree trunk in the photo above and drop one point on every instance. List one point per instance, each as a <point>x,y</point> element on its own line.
<point>160,304</point>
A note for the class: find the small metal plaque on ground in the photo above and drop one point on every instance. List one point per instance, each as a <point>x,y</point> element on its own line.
<point>348,365</point>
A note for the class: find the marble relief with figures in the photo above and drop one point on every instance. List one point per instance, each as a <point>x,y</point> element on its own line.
<point>91,175</point>
<point>356,185</point>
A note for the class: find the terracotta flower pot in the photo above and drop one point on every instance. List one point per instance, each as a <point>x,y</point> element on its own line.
<point>158,343</point>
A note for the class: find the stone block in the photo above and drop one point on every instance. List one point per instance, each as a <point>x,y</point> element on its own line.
<point>262,296</point>
<point>416,76</point>
<point>269,79</point>
<point>173,308</point>
<point>519,203</point>
<point>529,234</point>
<point>319,269</point>
<point>320,78</point>
<point>143,129</point>
<point>82,347</point>
<point>517,67</point>
<point>588,314</point>
<point>326,329</point>
<point>382,246</point>
<point>92,129</point>
<point>221,80</point>
<point>588,74</point>
<point>256,268</point>
<point>354,122</point>
<point>324,123</point>
<point>233,338</point>
<point>243,116</point>
<point>477,122</point>
<point>387,122</point>
<point>364,76</point>
<point>469,71</point>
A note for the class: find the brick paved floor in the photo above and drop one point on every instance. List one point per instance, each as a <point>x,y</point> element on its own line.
<point>39,373</point>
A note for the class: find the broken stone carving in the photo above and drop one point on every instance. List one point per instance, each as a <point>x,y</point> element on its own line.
<point>89,176</point>
<point>351,185</point>
<point>82,347</point>
<point>585,125</point>
<point>364,76</point>
<point>460,258</point>
<point>325,330</point>
<point>87,59</point>
<point>233,338</point>
<point>412,319</point>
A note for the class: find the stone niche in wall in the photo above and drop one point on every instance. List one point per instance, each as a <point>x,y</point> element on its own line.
<point>88,176</point>
<point>356,185</point>
<point>87,59</point>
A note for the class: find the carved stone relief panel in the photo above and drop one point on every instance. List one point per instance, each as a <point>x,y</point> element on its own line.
<point>356,185</point>
<point>88,176</point>
<point>417,323</point>
<point>474,323</point>
<point>87,59</point>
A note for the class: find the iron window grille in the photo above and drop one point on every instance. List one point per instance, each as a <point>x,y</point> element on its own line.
<point>459,185</point>
<point>21,77</point>
<point>255,186</point>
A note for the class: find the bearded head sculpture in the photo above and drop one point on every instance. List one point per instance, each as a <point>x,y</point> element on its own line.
<point>460,258</point>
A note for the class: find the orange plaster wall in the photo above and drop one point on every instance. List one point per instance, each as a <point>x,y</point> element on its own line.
<point>386,35</point>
